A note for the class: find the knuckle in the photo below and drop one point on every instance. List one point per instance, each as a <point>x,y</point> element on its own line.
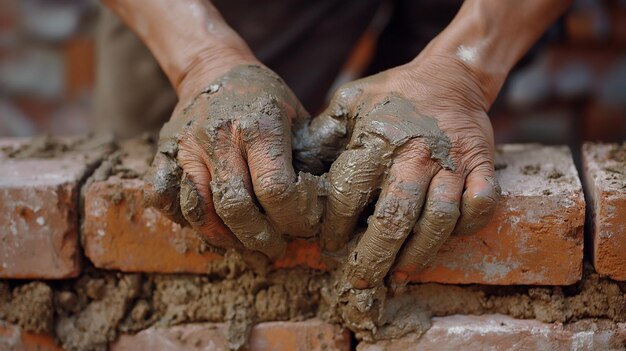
<point>441,211</point>
<point>439,219</point>
<point>415,151</point>
<point>394,218</point>
<point>347,94</point>
<point>272,186</point>
<point>230,199</point>
<point>475,156</point>
<point>350,201</point>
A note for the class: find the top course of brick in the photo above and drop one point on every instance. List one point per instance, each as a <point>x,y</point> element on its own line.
<point>39,186</point>
<point>538,223</point>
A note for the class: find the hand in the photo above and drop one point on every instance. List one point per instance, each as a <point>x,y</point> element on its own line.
<point>224,163</point>
<point>419,140</point>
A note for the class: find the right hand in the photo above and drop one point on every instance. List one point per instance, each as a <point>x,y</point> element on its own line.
<point>224,162</point>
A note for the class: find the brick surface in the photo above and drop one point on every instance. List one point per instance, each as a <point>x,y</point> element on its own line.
<point>39,213</point>
<point>498,332</point>
<point>119,233</point>
<point>538,222</point>
<point>13,338</point>
<point>275,336</point>
<point>604,167</point>
<point>536,234</point>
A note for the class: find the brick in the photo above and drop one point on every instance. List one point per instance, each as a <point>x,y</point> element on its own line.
<point>119,233</point>
<point>13,338</point>
<point>605,183</point>
<point>499,332</point>
<point>538,222</point>
<point>275,336</point>
<point>39,213</point>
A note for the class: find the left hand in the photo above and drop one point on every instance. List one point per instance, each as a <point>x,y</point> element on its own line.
<point>420,139</point>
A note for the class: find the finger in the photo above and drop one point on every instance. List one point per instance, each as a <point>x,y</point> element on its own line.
<point>319,141</point>
<point>233,194</point>
<point>293,206</point>
<point>162,187</point>
<point>353,179</point>
<point>196,200</point>
<point>479,201</point>
<point>437,221</point>
<point>395,215</point>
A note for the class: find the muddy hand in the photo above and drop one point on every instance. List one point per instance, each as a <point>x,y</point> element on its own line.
<point>421,143</point>
<point>224,164</point>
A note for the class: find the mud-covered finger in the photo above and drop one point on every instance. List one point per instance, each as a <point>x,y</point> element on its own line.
<point>352,182</point>
<point>293,205</point>
<point>196,198</point>
<point>318,142</point>
<point>234,202</point>
<point>479,200</point>
<point>162,186</point>
<point>437,221</point>
<point>395,215</point>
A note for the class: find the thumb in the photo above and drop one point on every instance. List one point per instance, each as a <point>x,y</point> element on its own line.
<point>318,142</point>
<point>162,189</point>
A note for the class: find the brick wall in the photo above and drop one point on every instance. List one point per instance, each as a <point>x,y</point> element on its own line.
<point>66,208</point>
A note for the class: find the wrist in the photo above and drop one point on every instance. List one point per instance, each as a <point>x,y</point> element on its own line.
<point>488,37</point>
<point>468,45</point>
<point>187,37</point>
<point>208,65</point>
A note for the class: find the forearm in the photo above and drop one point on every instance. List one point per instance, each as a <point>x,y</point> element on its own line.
<point>181,34</point>
<point>489,36</point>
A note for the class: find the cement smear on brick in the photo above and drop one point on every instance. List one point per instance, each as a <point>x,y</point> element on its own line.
<point>46,146</point>
<point>89,312</point>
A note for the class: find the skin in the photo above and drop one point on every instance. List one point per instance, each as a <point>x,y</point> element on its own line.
<point>415,138</point>
<point>224,162</point>
<point>419,138</point>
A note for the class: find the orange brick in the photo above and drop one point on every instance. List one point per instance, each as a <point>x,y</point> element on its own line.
<point>119,233</point>
<point>498,332</point>
<point>14,338</point>
<point>275,336</point>
<point>39,214</point>
<point>605,184</point>
<point>536,234</point>
<point>538,222</point>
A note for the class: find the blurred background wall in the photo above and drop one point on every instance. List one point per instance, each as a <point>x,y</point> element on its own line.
<point>571,88</point>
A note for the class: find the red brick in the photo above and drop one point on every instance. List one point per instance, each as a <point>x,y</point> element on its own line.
<point>538,222</point>
<point>498,332</point>
<point>275,336</point>
<point>122,234</point>
<point>13,338</point>
<point>119,233</point>
<point>536,234</point>
<point>39,214</point>
<point>605,184</point>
